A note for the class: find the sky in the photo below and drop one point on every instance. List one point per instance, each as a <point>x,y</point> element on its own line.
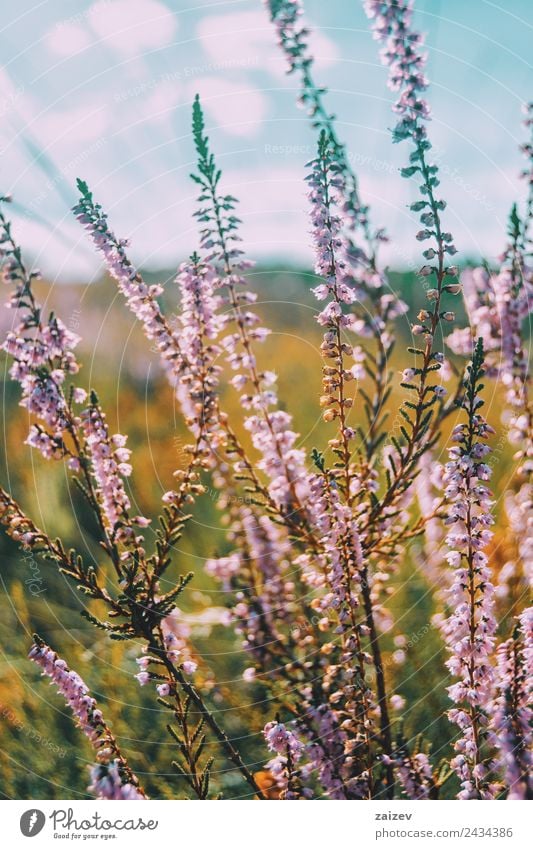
<point>103,91</point>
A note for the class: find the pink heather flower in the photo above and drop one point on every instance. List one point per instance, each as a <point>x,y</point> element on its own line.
<point>169,497</point>
<point>391,25</point>
<point>200,325</point>
<point>189,667</point>
<point>270,428</point>
<point>107,783</point>
<point>72,687</point>
<point>281,740</point>
<point>141,298</point>
<point>414,773</point>
<point>42,352</point>
<point>512,297</point>
<point>511,715</point>
<point>111,778</point>
<point>108,467</point>
<point>325,183</point>
<point>519,509</point>
<point>261,615</point>
<point>469,629</point>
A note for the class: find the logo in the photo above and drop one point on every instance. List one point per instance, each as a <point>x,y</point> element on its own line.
<point>32,822</point>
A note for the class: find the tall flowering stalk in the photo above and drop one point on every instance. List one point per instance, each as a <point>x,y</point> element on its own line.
<point>42,351</point>
<point>284,765</point>
<point>200,326</point>
<point>111,777</point>
<point>415,773</point>
<point>498,304</point>
<point>286,15</point>
<point>270,428</point>
<point>138,610</point>
<point>469,630</point>
<point>43,358</point>
<point>309,550</point>
<point>339,289</point>
<point>375,321</point>
<point>402,54</point>
<point>141,298</point>
<point>511,730</point>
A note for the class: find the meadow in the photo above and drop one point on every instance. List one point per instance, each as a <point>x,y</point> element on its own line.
<point>268,530</point>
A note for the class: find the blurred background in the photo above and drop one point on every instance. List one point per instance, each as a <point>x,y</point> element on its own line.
<point>103,91</point>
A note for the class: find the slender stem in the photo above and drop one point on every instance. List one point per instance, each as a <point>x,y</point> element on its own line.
<point>189,689</point>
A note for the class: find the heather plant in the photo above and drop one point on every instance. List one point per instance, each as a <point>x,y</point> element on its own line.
<point>312,538</point>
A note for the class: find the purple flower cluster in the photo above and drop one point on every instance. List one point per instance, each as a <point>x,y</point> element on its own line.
<point>414,773</point>
<point>111,778</point>
<point>283,766</point>
<point>469,630</point>
<point>391,25</point>
<point>141,298</point>
<point>339,288</point>
<point>107,783</point>
<point>511,728</point>
<point>308,550</point>
<point>109,465</point>
<point>200,325</point>
<point>42,352</point>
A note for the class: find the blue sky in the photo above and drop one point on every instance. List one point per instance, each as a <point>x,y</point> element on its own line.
<point>103,90</point>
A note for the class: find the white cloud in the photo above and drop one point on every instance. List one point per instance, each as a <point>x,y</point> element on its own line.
<point>132,26</point>
<point>273,209</point>
<point>49,250</point>
<point>237,107</point>
<point>67,39</point>
<point>229,36</point>
<point>85,123</point>
<point>162,101</point>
